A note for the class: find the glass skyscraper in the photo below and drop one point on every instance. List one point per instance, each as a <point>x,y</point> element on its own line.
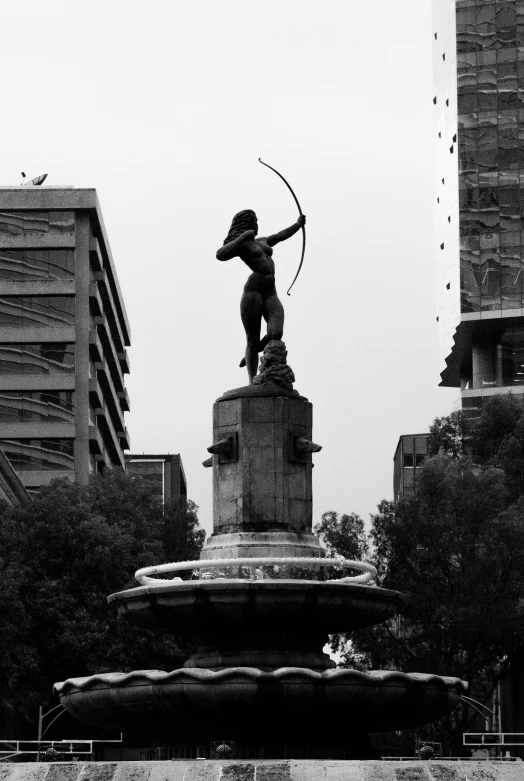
<point>478,101</point>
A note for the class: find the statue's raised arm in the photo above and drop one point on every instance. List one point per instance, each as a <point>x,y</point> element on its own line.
<point>231,249</point>
<point>259,299</point>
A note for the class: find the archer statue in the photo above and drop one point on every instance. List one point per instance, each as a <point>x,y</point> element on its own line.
<point>259,299</point>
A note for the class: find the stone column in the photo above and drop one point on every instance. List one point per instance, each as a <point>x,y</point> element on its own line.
<point>262,493</point>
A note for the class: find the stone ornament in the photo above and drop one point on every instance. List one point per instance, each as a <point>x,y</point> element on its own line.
<point>274,367</point>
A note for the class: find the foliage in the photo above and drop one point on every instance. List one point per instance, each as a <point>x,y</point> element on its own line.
<point>455,547</point>
<point>457,552</point>
<point>343,536</point>
<point>60,558</point>
<point>446,435</point>
<point>498,420</point>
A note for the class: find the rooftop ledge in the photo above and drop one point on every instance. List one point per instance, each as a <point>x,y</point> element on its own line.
<point>37,187</point>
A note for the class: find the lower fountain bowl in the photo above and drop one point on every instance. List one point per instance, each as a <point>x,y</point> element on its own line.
<point>245,701</point>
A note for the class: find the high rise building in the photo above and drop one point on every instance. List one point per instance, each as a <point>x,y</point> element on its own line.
<point>478,69</point>
<point>63,334</point>
<point>165,473</point>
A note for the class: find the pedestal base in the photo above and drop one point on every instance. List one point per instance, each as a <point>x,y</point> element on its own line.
<point>253,544</point>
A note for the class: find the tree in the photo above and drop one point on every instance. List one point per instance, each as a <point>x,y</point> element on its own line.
<point>498,421</point>
<point>447,434</point>
<point>182,536</point>
<point>343,536</point>
<point>61,557</point>
<point>455,548</point>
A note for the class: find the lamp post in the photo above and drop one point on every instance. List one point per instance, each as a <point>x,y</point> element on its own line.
<point>41,717</point>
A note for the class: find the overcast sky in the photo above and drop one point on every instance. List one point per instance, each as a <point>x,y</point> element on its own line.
<point>165,107</point>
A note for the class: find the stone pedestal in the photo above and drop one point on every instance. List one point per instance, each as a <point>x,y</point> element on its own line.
<point>262,486</point>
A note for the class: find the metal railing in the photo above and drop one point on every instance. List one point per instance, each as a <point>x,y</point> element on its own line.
<point>492,739</point>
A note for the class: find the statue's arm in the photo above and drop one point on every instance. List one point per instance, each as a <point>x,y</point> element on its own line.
<point>232,248</point>
<point>287,232</point>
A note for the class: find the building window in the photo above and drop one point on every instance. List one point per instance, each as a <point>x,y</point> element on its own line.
<point>46,358</point>
<point>419,459</point>
<point>150,471</point>
<point>24,223</point>
<point>511,351</point>
<point>37,311</point>
<point>33,455</point>
<point>408,460</point>
<point>44,406</point>
<point>37,265</point>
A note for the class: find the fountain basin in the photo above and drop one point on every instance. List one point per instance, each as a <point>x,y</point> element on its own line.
<point>248,701</point>
<point>264,624</point>
<point>191,607</point>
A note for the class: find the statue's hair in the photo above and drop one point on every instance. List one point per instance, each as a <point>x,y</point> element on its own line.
<point>243,221</point>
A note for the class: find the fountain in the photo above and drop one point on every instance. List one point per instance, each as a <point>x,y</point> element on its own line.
<point>262,599</point>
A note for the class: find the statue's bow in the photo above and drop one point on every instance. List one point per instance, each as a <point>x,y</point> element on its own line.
<point>300,212</point>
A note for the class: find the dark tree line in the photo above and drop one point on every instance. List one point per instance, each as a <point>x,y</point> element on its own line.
<point>59,560</point>
<point>455,547</point>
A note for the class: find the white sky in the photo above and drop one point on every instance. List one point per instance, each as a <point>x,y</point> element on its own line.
<point>165,107</point>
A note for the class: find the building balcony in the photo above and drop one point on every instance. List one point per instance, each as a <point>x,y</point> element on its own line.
<point>34,429</point>
<point>29,334</point>
<point>124,400</point>
<point>96,256</point>
<point>111,309</point>
<point>123,357</point>
<point>106,401</point>
<point>116,438</point>
<point>112,441</point>
<point>37,382</point>
<point>105,363</point>
<point>50,287</point>
<point>108,350</point>
<point>38,241</point>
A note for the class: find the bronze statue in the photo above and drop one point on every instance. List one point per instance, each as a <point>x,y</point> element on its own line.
<point>259,299</point>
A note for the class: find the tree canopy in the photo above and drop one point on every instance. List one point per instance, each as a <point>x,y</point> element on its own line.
<point>343,535</point>
<point>455,546</point>
<point>60,558</point>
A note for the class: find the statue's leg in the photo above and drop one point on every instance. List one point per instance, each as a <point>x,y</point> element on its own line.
<point>273,313</point>
<point>251,314</point>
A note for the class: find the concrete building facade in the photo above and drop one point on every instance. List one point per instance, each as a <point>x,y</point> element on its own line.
<point>410,454</point>
<point>164,472</point>
<point>63,337</point>
<point>478,96</point>
<point>12,490</point>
